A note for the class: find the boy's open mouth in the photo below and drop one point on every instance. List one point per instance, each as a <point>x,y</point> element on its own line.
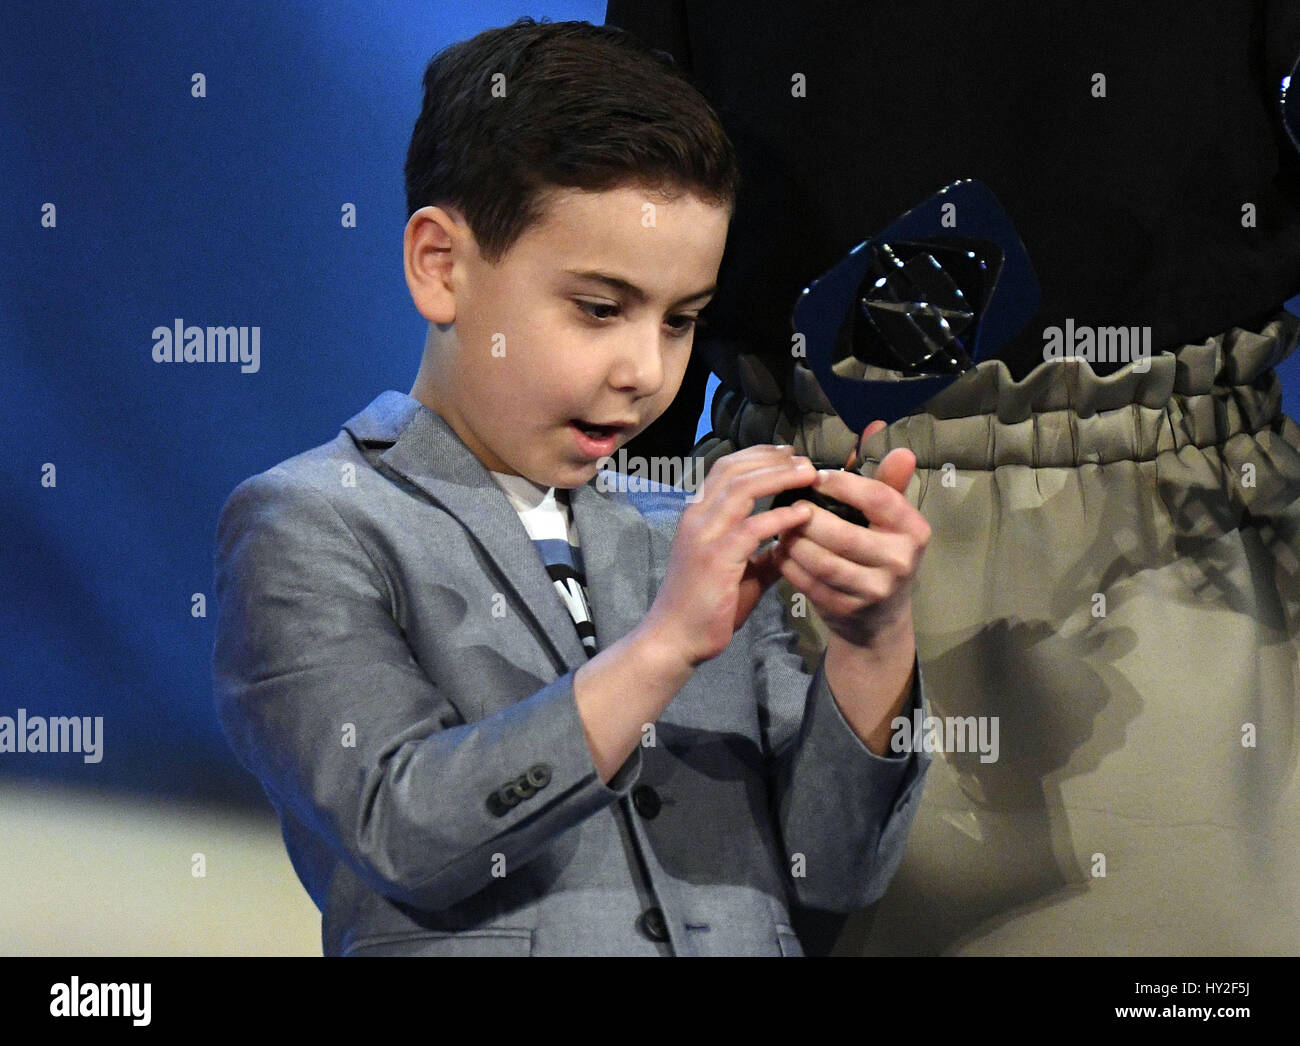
<point>596,432</point>
<point>597,441</point>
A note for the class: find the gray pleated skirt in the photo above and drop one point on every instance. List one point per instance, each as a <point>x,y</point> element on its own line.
<point>1114,575</point>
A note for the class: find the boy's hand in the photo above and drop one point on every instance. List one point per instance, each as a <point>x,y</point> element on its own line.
<point>714,577</point>
<point>860,579</point>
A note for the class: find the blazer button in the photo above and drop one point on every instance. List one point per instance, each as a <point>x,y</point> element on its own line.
<point>651,923</point>
<point>646,801</point>
<point>503,800</point>
<point>539,776</point>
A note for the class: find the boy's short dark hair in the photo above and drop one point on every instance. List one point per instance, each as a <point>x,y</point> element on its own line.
<point>577,105</point>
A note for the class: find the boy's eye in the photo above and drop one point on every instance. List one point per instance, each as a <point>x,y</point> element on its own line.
<point>592,309</point>
<point>603,310</point>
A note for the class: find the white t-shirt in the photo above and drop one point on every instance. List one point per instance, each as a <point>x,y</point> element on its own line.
<point>547,518</point>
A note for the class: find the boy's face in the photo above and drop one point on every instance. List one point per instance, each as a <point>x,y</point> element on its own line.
<point>577,339</point>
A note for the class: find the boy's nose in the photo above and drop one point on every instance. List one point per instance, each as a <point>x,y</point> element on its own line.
<point>639,366</point>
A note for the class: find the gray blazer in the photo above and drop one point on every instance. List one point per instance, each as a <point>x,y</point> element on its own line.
<point>395,666</point>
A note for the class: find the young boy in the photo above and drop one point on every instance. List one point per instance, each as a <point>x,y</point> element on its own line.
<point>500,710</point>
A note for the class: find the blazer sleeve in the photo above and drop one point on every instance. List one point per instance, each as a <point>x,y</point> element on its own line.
<point>842,812</point>
<point>322,699</point>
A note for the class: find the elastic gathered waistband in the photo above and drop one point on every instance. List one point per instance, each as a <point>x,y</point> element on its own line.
<point>1063,414</point>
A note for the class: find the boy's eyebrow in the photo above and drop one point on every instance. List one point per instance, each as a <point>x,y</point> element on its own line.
<point>631,289</point>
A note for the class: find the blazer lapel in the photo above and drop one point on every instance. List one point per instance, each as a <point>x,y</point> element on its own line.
<point>614,537</point>
<point>615,541</point>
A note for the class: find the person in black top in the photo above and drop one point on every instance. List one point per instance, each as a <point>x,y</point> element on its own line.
<point>1130,201</point>
<point>1113,568</point>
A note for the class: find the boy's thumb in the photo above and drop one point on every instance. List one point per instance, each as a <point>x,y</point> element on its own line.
<point>896,469</point>
<point>763,570</point>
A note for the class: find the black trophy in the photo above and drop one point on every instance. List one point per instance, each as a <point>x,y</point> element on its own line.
<point>904,315</point>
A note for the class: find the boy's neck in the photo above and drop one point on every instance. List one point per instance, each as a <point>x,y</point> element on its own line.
<point>523,492</point>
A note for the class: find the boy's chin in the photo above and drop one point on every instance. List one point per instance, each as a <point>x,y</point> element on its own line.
<point>576,476</point>
<point>563,475</point>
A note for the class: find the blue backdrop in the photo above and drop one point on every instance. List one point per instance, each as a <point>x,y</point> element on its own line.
<point>222,210</point>
<point>218,210</point>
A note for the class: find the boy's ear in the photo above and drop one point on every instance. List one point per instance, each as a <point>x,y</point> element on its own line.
<point>432,239</point>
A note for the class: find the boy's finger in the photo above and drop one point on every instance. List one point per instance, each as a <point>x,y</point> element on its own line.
<point>882,504</point>
<point>733,499</point>
<point>750,457</point>
<point>897,468</point>
<point>764,569</point>
<point>726,468</point>
<point>838,557</point>
<point>774,522</point>
<point>822,595</point>
<point>870,430</point>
